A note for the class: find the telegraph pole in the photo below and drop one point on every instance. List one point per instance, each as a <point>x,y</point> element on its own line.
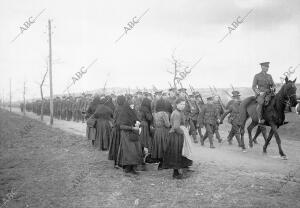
<point>10,95</point>
<point>24,101</point>
<point>50,74</point>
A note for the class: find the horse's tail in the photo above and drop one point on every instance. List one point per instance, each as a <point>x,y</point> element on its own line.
<point>244,115</point>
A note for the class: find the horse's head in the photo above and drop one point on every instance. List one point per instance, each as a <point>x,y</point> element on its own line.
<point>289,90</point>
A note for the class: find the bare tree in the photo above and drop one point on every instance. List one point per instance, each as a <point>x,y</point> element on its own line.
<point>179,70</point>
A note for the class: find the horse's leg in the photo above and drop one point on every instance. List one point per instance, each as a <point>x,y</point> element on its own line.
<point>264,132</point>
<point>250,128</point>
<point>258,131</point>
<point>267,141</point>
<point>278,140</point>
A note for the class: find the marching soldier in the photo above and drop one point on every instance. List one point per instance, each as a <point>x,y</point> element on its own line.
<point>59,102</point>
<point>63,108</point>
<point>194,117</point>
<point>210,118</point>
<point>200,105</point>
<point>232,108</point>
<point>221,112</point>
<point>263,86</point>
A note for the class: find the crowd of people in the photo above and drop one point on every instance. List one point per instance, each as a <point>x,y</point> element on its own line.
<point>142,128</point>
<point>158,128</point>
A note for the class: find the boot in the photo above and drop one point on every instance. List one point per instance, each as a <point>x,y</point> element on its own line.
<point>127,168</point>
<point>211,142</point>
<point>133,170</point>
<point>259,112</point>
<point>176,174</point>
<point>195,138</point>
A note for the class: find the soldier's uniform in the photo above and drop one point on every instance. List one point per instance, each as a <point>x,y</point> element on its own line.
<point>59,108</point>
<point>194,118</point>
<point>232,108</point>
<point>210,118</point>
<point>262,86</point>
<point>62,112</point>
<point>200,105</point>
<point>221,111</point>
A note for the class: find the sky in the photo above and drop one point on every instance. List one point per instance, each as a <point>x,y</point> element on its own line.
<point>86,30</point>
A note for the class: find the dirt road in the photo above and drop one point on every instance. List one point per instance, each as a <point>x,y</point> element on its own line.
<point>57,167</point>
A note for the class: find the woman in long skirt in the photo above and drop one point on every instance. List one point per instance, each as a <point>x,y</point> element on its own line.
<point>173,158</point>
<point>130,152</point>
<point>146,120</point>
<point>162,127</point>
<point>115,134</point>
<point>91,121</point>
<point>103,115</point>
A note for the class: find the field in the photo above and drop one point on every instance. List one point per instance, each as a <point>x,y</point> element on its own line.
<point>56,167</point>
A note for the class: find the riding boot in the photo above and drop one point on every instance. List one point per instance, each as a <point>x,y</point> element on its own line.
<point>259,113</point>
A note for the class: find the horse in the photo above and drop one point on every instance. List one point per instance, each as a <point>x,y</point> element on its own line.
<point>273,114</point>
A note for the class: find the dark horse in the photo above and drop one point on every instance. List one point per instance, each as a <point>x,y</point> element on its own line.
<point>272,113</point>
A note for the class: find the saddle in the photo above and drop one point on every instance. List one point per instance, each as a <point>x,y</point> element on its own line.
<point>268,98</point>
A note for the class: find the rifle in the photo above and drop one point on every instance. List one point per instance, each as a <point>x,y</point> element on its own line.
<point>219,99</point>
<point>192,89</point>
<point>232,87</point>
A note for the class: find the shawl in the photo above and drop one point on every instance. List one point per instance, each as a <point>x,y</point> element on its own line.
<point>127,116</point>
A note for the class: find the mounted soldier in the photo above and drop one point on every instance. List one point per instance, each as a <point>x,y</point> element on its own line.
<point>264,88</point>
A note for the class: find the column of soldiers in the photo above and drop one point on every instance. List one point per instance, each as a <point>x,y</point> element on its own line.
<point>65,108</point>
<point>198,115</point>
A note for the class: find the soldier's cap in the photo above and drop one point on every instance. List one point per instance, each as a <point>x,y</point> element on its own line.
<point>210,98</point>
<point>158,92</point>
<point>172,89</point>
<point>139,92</point>
<point>192,95</point>
<point>265,64</point>
<point>147,94</point>
<point>197,95</point>
<point>165,93</point>
<point>182,89</point>
<point>235,93</point>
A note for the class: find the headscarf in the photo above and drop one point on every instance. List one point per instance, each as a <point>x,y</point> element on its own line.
<point>127,116</point>
<point>160,105</point>
<point>103,111</point>
<point>146,105</point>
<point>109,102</point>
<point>121,99</point>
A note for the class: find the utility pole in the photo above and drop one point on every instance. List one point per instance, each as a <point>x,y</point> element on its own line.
<point>50,74</point>
<point>24,101</point>
<point>10,95</point>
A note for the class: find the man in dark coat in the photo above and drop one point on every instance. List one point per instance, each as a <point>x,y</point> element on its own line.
<point>262,86</point>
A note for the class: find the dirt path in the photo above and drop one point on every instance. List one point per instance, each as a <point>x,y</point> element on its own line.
<point>62,170</point>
